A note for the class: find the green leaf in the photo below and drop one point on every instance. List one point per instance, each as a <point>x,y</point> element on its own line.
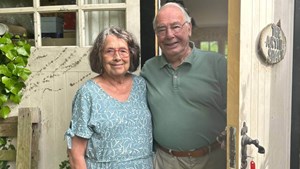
<point>16,98</point>
<point>3,99</point>
<point>11,54</point>
<point>22,51</point>
<point>7,47</point>
<point>20,61</point>
<point>5,71</point>
<point>18,69</point>
<point>5,40</point>
<point>4,111</point>
<point>2,141</point>
<point>8,35</point>
<point>27,47</point>
<point>17,36</point>
<point>8,82</point>
<point>24,74</point>
<point>11,66</point>
<point>16,89</point>
<point>12,85</point>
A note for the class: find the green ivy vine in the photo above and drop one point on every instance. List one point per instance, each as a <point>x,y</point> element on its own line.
<point>5,144</point>
<point>14,54</point>
<point>64,165</point>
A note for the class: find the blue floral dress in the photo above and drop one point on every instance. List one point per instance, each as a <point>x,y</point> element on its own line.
<point>119,133</point>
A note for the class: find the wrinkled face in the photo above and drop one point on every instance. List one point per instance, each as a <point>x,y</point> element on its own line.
<point>172,31</point>
<point>116,57</point>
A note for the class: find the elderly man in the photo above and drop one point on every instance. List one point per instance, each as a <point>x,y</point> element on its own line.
<point>186,96</point>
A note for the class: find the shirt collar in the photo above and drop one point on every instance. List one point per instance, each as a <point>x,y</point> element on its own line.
<point>163,61</point>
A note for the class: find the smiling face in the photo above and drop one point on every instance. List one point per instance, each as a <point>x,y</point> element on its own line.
<point>173,44</point>
<point>116,57</point>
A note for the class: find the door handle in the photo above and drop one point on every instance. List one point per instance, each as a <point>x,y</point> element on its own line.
<point>246,140</point>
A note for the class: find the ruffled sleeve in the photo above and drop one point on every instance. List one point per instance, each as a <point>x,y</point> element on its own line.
<point>81,112</point>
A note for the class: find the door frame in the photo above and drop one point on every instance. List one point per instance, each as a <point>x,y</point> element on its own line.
<point>233,79</point>
<point>148,39</point>
<point>295,134</point>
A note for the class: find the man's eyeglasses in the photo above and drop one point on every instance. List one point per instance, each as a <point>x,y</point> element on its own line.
<point>175,28</point>
<point>122,52</point>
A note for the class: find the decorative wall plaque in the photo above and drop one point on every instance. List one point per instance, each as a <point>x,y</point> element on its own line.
<point>272,43</point>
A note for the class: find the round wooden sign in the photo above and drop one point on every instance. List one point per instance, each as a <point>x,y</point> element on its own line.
<point>272,44</point>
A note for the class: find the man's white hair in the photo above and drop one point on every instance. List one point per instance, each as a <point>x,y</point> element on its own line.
<point>186,15</point>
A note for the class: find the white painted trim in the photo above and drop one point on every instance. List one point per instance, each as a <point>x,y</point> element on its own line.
<point>131,8</point>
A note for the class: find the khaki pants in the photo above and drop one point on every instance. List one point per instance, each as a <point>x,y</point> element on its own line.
<point>213,160</point>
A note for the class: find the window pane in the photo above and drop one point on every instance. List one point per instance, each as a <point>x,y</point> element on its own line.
<point>19,23</point>
<point>214,46</point>
<point>204,46</point>
<point>58,29</point>
<point>15,3</point>
<point>103,1</point>
<point>57,2</point>
<point>209,46</point>
<point>95,21</point>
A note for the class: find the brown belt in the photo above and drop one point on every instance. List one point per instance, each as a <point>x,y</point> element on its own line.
<point>196,153</point>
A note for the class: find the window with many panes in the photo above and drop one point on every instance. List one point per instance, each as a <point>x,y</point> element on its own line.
<point>64,22</point>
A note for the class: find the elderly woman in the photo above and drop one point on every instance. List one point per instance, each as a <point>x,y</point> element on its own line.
<point>111,123</point>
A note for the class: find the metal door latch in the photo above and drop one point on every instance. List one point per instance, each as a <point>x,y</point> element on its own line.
<point>246,140</point>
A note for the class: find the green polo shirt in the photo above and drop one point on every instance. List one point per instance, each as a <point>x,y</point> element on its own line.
<point>188,104</point>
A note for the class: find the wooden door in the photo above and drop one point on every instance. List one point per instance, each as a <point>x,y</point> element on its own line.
<point>259,94</point>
